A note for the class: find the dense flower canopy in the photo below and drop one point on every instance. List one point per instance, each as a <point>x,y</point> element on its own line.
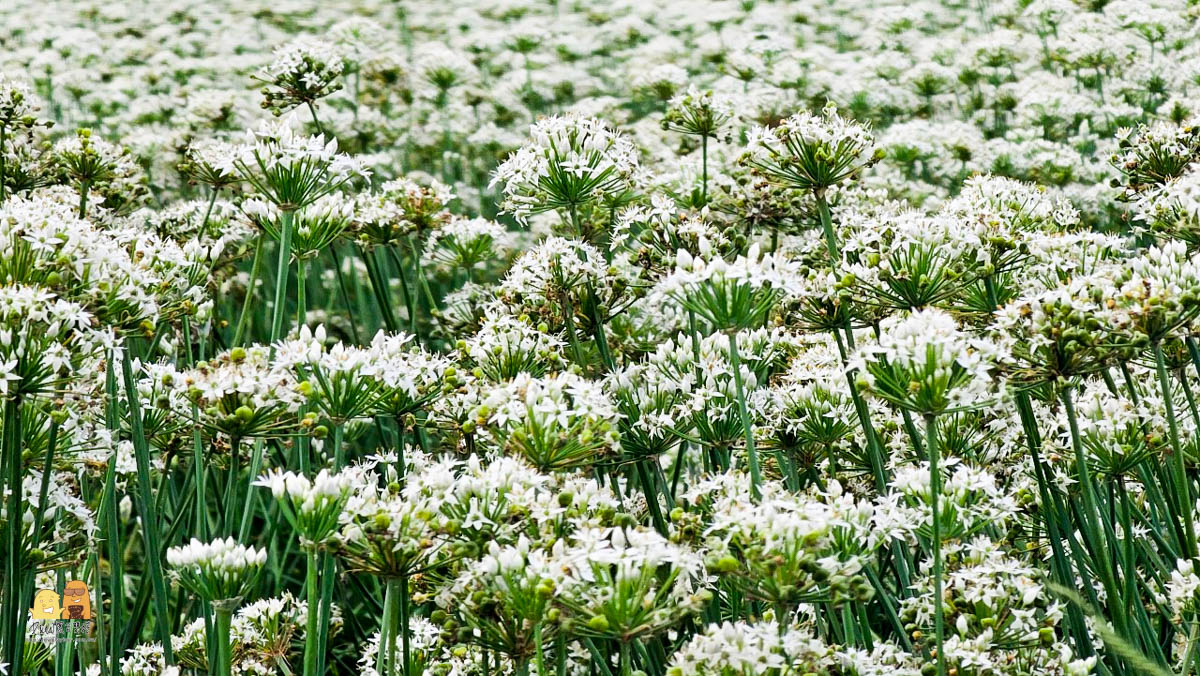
<point>851,338</point>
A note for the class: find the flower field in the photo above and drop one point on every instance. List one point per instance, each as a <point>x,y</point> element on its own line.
<point>549,338</point>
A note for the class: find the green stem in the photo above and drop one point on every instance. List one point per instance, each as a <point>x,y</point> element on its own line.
<point>255,271</point>
<point>751,454</point>
<point>538,657</point>
<point>313,598</point>
<point>1178,464</point>
<point>422,281</point>
<point>1091,512</point>
<point>212,199</point>
<point>409,296</point>
<point>224,651</point>
<point>301,292</point>
<point>256,456</point>
<point>328,577</point>
<point>14,566</point>
<point>935,489</point>
<point>380,289</point>
<point>3,160</point>
<point>44,488</point>
<point>83,198</point>
<point>317,122</point>
<point>281,276</point>
<point>386,659</point>
<point>831,243</point>
<point>1049,510</point>
<point>874,448</point>
<point>145,503</point>
<point>569,320</point>
<point>404,613</point>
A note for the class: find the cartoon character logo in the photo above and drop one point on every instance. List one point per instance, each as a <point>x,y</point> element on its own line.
<point>76,604</point>
<point>45,605</point>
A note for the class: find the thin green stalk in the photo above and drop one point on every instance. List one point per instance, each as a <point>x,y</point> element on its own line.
<point>404,622</point>
<point>255,270</point>
<point>328,578</point>
<point>312,596</point>
<point>14,570</point>
<point>317,122</point>
<point>3,160</point>
<point>538,656</point>
<point>1090,513</point>
<point>831,242</point>
<point>1178,464</point>
<point>44,488</point>
<point>301,292</point>
<point>1059,563</point>
<point>935,489</point>
<point>39,519</point>
<point>409,296</point>
<point>569,320</point>
<point>380,289</point>
<point>422,282</point>
<point>751,454</point>
<point>385,658</point>
<point>231,488</point>
<point>83,199</point>
<point>874,448</point>
<point>341,280</point>
<point>212,200</point>
<point>115,574</point>
<point>145,503</point>
<point>281,276</point>
<point>224,651</point>
<point>256,457</point>
<point>651,492</point>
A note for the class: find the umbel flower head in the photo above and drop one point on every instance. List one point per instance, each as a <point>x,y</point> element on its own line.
<point>220,571</point>
<point>505,346</point>
<point>92,164</point>
<point>312,506</point>
<point>812,152</point>
<point>16,104</point>
<point>785,549</point>
<point>127,277</point>
<point>925,363</point>
<point>316,225</point>
<point>999,615</point>
<point>698,113</point>
<point>45,339</point>
<point>1153,155</point>
<point>1157,292</point>
<point>1065,331</point>
<point>730,296</point>
<point>292,171</point>
<point>210,161</point>
<point>303,71</point>
<point>625,583</point>
<point>556,422</point>
<point>397,531</point>
<point>571,161</point>
<point>335,376</point>
<point>465,243</point>
<point>240,393</point>
<point>763,648</point>
<point>401,208</point>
